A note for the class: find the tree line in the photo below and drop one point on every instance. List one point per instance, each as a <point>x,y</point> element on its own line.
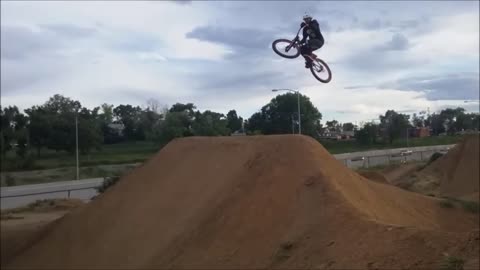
<point>393,125</point>
<point>51,125</point>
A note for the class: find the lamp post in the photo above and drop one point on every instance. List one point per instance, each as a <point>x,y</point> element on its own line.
<point>298,106</point>
<point>76,143</point>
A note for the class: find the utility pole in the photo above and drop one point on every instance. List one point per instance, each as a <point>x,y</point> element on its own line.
<point>76,142</point>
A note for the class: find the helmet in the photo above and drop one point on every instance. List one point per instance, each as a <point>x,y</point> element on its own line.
<point>307,18</point>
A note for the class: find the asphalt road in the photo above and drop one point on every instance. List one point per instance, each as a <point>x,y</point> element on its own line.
<point>11,197</point>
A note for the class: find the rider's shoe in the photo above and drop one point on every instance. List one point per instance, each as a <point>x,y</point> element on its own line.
<point>308,64</point>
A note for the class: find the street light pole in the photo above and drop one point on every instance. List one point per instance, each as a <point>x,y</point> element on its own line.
<point>76,143</point>
<point>299,116</point>
<point>298,106</point>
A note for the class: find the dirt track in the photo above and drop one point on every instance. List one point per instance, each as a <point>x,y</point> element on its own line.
<point>253,202</point>
<point>458,171</point>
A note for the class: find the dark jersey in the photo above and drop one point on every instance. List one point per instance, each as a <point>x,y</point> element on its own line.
<point>312,31</point>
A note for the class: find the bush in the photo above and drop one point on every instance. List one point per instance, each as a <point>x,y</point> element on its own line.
<point>108,182</point>
<point>434,157</point>
<point>453,263</point>
<point>446,204</point>
<point>472,207</point>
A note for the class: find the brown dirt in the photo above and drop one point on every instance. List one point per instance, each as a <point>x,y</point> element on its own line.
<point>253,202</point>
<point>374,176</point>
<point>456,174</point>
<point>40,206</point>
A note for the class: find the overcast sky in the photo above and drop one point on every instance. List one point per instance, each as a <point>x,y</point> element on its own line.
<point>405,55</point>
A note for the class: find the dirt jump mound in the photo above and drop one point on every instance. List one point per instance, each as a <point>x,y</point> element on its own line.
<point>457,172</point>
<point>250,203</point>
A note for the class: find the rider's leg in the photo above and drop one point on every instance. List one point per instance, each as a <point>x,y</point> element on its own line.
<point>306,50</point>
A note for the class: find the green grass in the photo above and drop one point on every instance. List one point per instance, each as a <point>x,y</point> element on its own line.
<point>122,153</point>
<point>472,207</point>
<point>452,263</point>
<point>63,174</point>
<point>469,206</point>
<point>339,147</point>
<point>446,204</point>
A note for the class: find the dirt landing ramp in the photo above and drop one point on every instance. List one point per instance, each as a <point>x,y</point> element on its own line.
<point>252,202</point>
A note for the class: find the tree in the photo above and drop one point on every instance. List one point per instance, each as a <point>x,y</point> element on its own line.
<point>175,125</point>
<point>153,105</point>
<point>436,122</point>
<point>418,121</point>
<point>210,123</point>
<point>13,130</point>
<point>394,125</point>
<point>367,134</point>
<point>333,126</point>
<point>234,122</point>
<point>130,116</point>
<point>348,127</point>
<point>53,125</point>
<point>276,116</point>
<point>39,127</point>
<point>107,113</point>
<point>449,117</point>
<point>180,107</point>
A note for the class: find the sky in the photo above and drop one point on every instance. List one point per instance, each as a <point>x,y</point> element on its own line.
<point>408,56</point>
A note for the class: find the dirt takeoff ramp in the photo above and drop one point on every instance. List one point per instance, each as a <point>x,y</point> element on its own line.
<point>252,202</point>
<point>458,171</point>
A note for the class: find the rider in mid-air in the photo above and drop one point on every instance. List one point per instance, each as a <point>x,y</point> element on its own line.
<point>311,29</point>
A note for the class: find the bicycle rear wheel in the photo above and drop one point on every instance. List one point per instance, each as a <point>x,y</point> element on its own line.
<point>321,71</point>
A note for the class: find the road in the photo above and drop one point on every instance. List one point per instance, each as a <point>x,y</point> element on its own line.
<point>22,195</point>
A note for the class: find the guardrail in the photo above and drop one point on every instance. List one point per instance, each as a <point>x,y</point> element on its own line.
<point>388,159</point>
<point>47,192</point>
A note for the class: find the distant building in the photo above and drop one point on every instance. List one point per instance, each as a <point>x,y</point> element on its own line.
<point>337,135</point>
<point>420,132</point>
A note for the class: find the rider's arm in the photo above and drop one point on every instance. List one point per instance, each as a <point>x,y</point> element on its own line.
<point>304,39</point>
<point>314,24</point>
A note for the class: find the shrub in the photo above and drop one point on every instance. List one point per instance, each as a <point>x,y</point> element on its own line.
<point>446,204</point>
<point>469,206</point>
<point>108,182</point>
<point>453,263</point>
<point>434,157</point>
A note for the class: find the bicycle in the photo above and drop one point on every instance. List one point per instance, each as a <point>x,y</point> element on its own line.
<point>319,67</point>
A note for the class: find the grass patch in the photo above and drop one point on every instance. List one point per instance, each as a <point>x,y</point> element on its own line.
<point>452,263</point>
<point>446,203</point>
<point>472,207</point>
<point>469,206</point>
<point>108,182</point>
<point>120,153</point>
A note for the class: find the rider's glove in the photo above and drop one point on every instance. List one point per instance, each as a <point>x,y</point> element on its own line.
<point>303,24</point>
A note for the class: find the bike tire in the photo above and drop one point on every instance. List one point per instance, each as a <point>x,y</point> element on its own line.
<point>327,69</point>
<point>277,51</point>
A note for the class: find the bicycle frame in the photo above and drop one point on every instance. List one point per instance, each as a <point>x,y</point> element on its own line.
<point>294,41</point>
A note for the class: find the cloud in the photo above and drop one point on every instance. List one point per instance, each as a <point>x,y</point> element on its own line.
<point>376,24</point>
<point>69,30</point>
<point>246,38</point>
<point>398,43</point>
<point>218,54</point>
<point>452,86</point>
<point>182,2</point>
<point>19,42</point>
